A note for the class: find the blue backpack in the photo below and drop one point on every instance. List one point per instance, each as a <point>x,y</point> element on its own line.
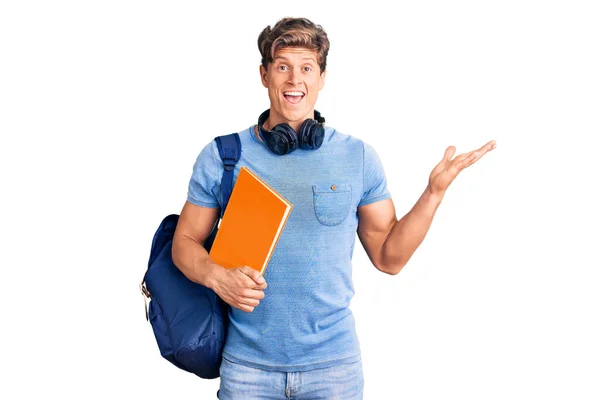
<point>189,320</point>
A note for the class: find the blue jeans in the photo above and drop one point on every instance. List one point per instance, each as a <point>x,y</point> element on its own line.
<point>238,382</point>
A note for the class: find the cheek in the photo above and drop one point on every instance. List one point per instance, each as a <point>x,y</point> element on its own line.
<point>272,92</point>
<point>314,82</point>
<point>274,85</point>
<point>315,88</point>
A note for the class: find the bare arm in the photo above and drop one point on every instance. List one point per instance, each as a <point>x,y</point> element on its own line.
<point>189,255</point>
<point>390,243</point>
<point>240,287</point>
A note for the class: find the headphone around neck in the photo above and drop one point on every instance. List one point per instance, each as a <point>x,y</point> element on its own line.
<point>282,139</point>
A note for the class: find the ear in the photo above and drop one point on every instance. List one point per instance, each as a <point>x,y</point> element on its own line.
<point>263,76</point>
<point>322,79</point>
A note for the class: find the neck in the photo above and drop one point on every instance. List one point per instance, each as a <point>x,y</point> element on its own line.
<point>275,119</point>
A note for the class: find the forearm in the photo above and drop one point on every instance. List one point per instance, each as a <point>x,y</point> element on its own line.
<point>408,233</point>
<point>193,260</point>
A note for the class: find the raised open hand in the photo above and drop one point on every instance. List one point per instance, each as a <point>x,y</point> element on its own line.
<point>444,173</point>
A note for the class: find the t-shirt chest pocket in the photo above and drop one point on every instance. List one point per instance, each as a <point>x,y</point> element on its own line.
<point>332,202</point>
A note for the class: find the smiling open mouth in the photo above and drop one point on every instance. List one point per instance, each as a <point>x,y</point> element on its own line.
<point>293,97</point>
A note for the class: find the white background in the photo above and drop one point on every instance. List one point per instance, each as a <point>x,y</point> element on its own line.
<point>105,105</point>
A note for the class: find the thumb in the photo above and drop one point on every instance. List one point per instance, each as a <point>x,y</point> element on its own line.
<point>254,274</point>
<point>449,153</point>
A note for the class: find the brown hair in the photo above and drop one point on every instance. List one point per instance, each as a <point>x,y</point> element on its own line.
<point>293,32</point>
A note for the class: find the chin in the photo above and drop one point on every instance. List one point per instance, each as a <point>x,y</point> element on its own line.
<point>296,115</point>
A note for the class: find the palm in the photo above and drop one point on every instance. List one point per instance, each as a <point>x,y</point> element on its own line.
<point>448,169</point>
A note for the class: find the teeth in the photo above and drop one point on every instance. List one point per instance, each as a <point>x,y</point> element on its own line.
<point>293,93</point>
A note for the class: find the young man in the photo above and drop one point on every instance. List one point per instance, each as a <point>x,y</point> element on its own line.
<point>296,336</point>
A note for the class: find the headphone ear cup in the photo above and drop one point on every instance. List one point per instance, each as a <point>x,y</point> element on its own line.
<point>283,139</point>
<point>318,136</point>
<point>311,135</point>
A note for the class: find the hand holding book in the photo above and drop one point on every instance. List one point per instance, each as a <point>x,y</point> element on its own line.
<point>241,287</point>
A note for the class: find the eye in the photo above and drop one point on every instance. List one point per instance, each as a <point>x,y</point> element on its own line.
<point>282,68</point>
<point>307,69</point>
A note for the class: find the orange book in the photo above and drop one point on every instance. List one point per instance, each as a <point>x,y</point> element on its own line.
<point>252,224</point>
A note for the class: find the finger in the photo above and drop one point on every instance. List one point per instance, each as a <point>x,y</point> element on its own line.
<point>465,160</point>
<point>459,163</point>
<point>480,151</point>
<point>253,294</point>
<point>470,159</point>
<point>449,153</point>
<point>246,308</point>
<point>253,274</point>
<point>262,286</point>
<point>250,302</point>
<point>477,154</point>
<point>491,145</point>
<point>459,160</point>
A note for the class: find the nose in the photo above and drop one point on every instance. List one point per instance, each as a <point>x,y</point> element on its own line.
<point>295,77</point>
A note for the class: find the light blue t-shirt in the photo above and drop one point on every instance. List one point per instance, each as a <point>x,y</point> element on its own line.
<point>304,321</point>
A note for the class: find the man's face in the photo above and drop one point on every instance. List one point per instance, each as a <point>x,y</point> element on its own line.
<point>294,81</point>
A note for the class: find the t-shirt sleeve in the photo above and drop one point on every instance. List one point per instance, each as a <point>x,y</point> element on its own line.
<point>204,186</point>
<point>375,183</point>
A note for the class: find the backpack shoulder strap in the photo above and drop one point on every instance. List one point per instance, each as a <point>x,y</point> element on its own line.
<point>230,150</point>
